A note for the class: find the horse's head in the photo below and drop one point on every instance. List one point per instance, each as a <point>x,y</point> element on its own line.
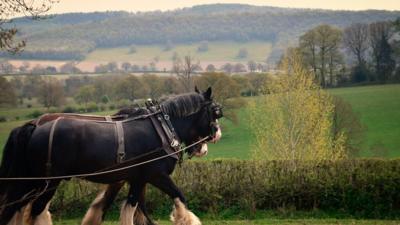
<point>199,119</point>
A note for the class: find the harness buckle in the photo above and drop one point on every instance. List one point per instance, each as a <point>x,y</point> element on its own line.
<point>174,143</point>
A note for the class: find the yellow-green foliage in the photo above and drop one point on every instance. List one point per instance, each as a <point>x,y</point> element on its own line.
<point>294,120</point>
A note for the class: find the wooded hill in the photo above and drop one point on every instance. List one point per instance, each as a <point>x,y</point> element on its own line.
<point>73,35</point>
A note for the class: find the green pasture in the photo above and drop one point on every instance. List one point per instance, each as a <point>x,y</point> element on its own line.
<point>379,110</point>
<point>378,107</point>
<point>217,51</point>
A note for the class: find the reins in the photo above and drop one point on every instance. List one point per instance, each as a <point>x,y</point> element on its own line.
<point>106,171</point>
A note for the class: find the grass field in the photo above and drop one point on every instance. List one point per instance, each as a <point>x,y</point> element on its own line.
<point>217,51</point>
<point>379,110</point>
<point>378,107</point>
<point>264,222</point>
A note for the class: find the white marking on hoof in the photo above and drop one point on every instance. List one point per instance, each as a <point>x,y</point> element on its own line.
<point>182,216</point>
<point>127,213</point>
<point>139,217</point>
<point>44,218</point>
<point>94,215</point>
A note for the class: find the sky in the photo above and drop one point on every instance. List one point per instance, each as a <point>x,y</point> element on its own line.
<point>150,5</point>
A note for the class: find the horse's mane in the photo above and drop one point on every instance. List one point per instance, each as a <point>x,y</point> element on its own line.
<point>131,111</point>
<point>174,105</point>
<point>182,105</point>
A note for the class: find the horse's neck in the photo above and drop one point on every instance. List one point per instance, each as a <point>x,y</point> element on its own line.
<point>182,127</point>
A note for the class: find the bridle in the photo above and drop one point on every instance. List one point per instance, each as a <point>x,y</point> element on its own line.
<point>214,112</point>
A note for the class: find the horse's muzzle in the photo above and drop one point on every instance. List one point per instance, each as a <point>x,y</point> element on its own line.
<point>218,133</point>
<point>203,150</point>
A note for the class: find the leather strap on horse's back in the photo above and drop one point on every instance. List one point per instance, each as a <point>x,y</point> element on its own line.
<point>120,141</point>
<point>50,146</point>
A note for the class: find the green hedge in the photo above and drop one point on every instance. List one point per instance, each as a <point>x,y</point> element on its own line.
<point>367,188</point>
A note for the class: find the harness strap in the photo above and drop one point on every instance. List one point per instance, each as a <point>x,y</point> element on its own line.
<point>50,146</point>
<point>166,146</point>
<point>108,118</point>
<point>37,122</point>
<point>120,141</point>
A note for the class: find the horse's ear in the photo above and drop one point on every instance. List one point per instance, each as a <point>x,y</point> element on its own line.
<point>196,90</point>
<point>207,94</point>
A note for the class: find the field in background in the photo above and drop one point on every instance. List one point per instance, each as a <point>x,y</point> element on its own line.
<point>217,51</point>
<point>218,54</point>
<point>378,107</point>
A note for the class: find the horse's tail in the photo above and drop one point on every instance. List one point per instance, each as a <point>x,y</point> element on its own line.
<point>14,154</point>
<point>13,165</point>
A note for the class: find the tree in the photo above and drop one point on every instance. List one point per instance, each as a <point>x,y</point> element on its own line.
<point>70,68</point>
<point>227,68</point>
<point>7,93</point>
<point>239,68</point>
<point>51,93</point>
<point>31,85</point>
<point>154,85</point>
<point>320,48</point>
<point>12,8</point>
<point>252,65</point>
<point>347,122</point>
<point>379,36</point>
<point>101,68</point>
<point>210,68</point>
<point>24,67</point>
<point>184,71</point>
<point>172,85</point>
<point>294,121</point>
<point>126,66</point>
<point>112,67</point>
<point>130,87</point>
<point>85,95</point>
<point>38,70</point>
<point>6,67</point>
<point>355,39</point>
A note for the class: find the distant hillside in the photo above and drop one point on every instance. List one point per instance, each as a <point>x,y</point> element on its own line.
<point>73,35</point>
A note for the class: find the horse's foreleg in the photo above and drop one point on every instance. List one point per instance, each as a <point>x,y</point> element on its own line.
<point>180,215</point>
<point>103,201</point>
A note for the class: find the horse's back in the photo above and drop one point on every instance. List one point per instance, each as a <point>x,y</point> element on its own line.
<point>75,145</point>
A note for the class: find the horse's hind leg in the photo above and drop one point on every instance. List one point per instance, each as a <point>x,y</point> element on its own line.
<point>17,196</point>
<point>39,214</point>
<point>141,217</point>
<point>133,210</point>
<point>96,212</point>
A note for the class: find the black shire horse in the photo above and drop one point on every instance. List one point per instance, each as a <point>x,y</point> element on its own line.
<point>81,146</point>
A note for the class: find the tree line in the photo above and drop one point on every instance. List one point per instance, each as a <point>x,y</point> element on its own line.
<point>358,53</point>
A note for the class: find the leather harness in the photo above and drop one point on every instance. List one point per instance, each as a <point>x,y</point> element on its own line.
<point>160,121</point>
